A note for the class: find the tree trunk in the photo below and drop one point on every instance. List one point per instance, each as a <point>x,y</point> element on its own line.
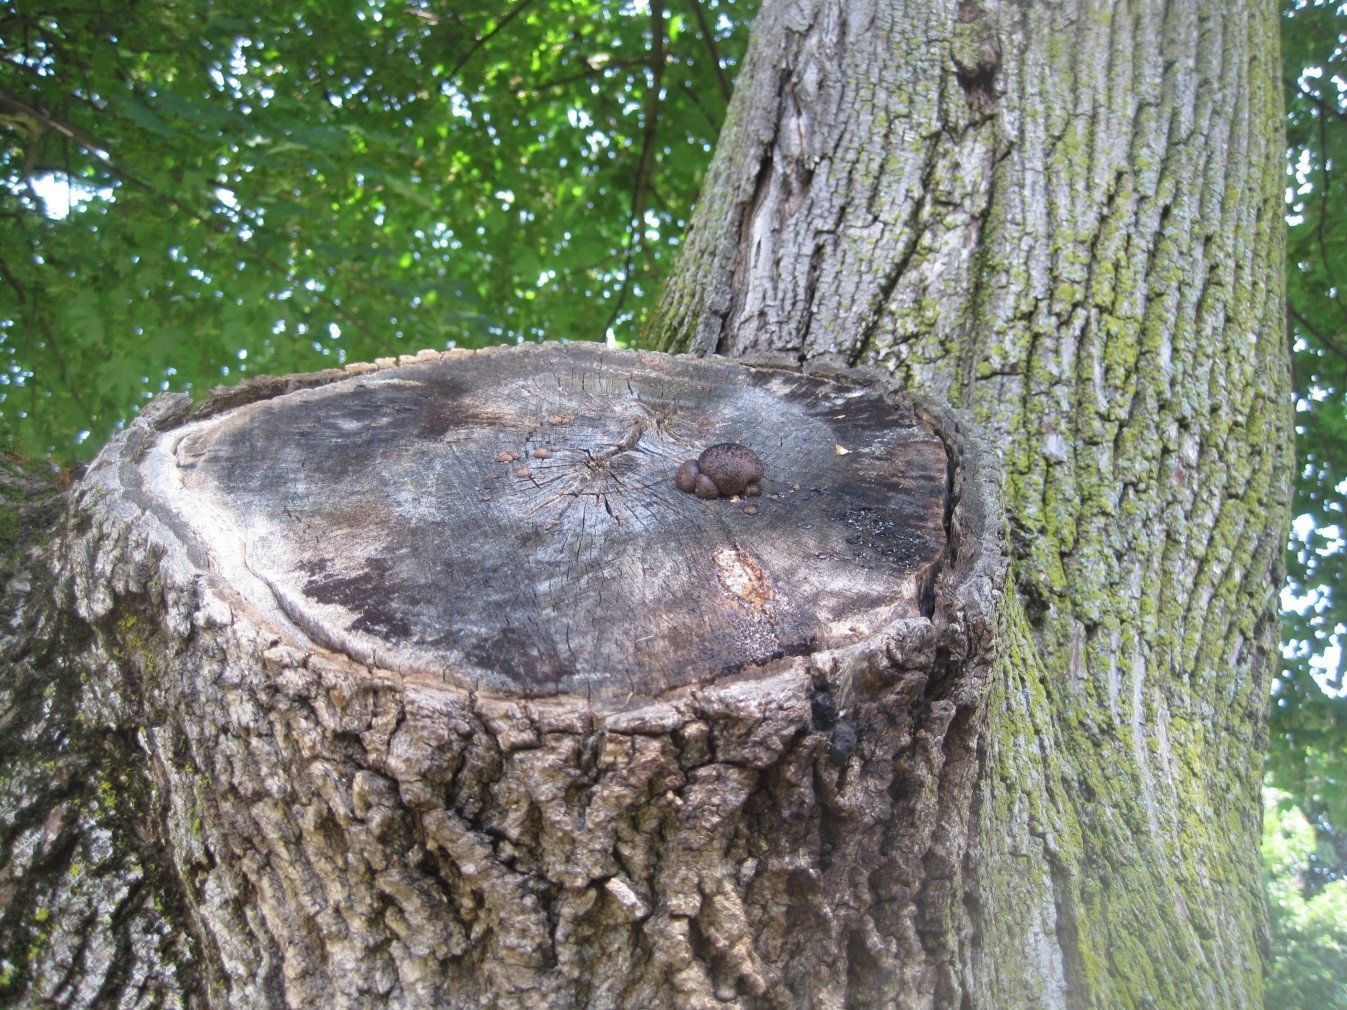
<point>234,780</point>
<point>1067,218</point>
<point>432,727</point>
<point>90,910</point>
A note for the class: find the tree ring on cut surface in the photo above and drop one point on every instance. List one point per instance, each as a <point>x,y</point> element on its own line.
<point>349,512</point>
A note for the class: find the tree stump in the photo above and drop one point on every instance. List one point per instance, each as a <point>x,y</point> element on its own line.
<point>455,700</point>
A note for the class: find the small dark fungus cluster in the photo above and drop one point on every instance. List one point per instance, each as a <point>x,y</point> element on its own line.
<point>723,470</point>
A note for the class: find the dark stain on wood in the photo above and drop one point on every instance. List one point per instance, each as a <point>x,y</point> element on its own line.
<point>373,508</point>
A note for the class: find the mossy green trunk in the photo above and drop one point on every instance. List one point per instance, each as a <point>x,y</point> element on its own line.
<point>1067,219</point>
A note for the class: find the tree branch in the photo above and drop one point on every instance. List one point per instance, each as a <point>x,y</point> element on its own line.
<point>1325,259</point>
<point>561,82</point>
<point>710,40</point>
<point>48,337</point>
<point>476,47</point>
<point>1324,107</point>
<point>697,104</point>
<point>91,145</point>
<point>1330,343</point>
<point>37,120</point>
<point>644,167</point>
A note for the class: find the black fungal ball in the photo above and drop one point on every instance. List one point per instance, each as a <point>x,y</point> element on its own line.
<point>731,466</point>
<point>685,477</point>
<point>706,487</point>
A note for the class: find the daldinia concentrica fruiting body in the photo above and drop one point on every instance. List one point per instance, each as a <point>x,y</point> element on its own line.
<point>685,477</point>
<point>725,469</point>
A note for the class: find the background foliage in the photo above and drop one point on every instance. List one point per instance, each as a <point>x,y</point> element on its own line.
<point>1309,925</point>
<point>190,192</point>
<point>1308,748</point>
<point>196,190</point>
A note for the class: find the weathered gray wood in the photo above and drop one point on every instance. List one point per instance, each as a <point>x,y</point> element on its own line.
<point>358,821</point>
<point>385,517</point>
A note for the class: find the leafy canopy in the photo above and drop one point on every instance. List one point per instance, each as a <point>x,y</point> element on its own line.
<point>1308,747</point>
<point>198,190</point>
<point>1308,969</point>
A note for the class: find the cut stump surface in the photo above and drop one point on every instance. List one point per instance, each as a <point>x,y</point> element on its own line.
<point>508,519</point>
<point>454,699</point>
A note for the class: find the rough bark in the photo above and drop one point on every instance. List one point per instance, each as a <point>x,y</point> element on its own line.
<point>339,823</point>
<point>1067,218</point>
<point>1064,217</point>
<point>89,917</point>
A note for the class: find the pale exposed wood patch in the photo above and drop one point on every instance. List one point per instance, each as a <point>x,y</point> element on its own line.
<point>744,578</point>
